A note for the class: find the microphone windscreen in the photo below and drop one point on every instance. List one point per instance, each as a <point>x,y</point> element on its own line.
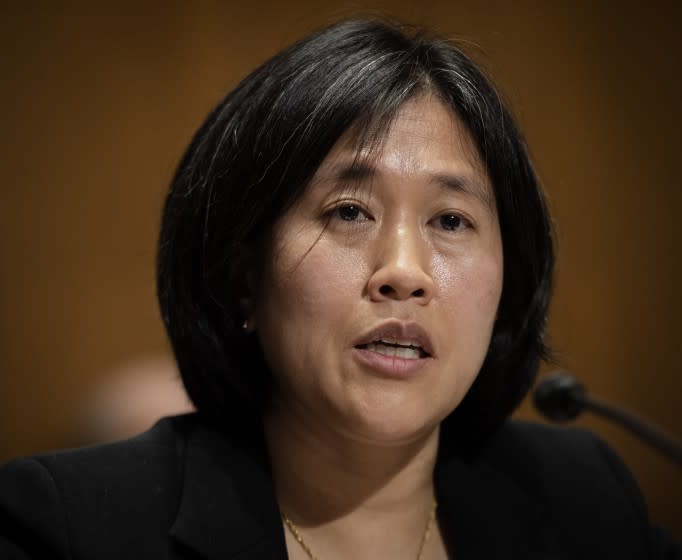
<point>559,397</point>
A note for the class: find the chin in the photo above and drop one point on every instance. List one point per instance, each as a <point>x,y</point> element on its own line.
<point>397,414</point>
<point>393,437</point>
<point>392,428</point>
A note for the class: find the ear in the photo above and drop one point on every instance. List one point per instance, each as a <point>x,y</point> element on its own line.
<point>243,284</point>
<point>247,307</point>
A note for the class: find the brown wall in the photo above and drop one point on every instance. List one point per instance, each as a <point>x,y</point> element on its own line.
<point>98,104</point>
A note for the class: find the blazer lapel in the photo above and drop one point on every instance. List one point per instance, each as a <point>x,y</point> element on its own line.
<point>228,509</point>
<point>485,514</point>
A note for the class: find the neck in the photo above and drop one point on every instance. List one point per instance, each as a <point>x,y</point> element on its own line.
<point>343,492</point>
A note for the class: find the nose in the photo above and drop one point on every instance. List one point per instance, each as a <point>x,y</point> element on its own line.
<point>402,268</point>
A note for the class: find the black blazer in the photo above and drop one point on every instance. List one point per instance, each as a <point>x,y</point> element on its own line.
<point>183,490</point>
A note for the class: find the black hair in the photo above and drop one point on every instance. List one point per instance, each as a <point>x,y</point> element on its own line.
<point>254,156</point>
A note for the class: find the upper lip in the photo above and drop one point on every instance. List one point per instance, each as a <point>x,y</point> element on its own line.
<point>395,329</point>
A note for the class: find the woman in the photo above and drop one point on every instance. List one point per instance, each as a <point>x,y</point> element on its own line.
<point>354,270</point>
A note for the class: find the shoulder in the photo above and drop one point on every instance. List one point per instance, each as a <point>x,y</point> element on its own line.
<point>569,463</point>
<point>540,455</point>
<point>586,491</point>
<point>103,493</point>
<point>546,446</point>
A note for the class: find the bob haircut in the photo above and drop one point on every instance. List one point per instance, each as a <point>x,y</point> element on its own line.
<point>253,158</point>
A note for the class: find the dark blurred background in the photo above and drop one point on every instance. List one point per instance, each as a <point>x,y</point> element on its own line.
<point>98,103</point>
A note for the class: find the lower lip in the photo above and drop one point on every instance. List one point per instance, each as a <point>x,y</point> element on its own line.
<point>390,366</point>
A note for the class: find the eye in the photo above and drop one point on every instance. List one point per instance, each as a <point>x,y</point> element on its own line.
<point>349,213</point>
<point>452,222</point>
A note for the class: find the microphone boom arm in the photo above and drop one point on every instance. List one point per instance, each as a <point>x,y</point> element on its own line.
<point>560,397</point>
<point>645,430</point>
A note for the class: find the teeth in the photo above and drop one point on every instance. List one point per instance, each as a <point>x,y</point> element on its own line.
<point>400,341</point>
<point>407,353</point>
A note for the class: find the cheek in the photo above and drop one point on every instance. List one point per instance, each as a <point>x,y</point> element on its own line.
<point>486,282</point>
<point>470,283</point>
<point>470,295</point>
<point>312,288</point>
<point>308,300</point>
<point>311,283</point>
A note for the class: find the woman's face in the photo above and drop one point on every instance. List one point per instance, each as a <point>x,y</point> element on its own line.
<point>381,285</point>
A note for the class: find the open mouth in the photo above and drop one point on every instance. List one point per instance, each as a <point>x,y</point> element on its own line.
<point>406,350</point>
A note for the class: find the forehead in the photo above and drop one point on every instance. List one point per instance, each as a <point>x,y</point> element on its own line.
<point>425,140</point>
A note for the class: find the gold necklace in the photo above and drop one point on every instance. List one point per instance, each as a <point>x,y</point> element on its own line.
<point>299,538</point>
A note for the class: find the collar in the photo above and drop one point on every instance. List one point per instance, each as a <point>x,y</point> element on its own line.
<point>228,509</point>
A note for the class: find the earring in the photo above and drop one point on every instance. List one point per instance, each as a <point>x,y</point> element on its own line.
<point>245,325</point>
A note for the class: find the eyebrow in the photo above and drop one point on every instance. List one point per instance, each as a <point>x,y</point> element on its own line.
<point>464,184</point>
<point>360,172</point>
<point>355,172</point>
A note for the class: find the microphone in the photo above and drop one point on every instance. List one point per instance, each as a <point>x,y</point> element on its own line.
<point>560,398</point>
